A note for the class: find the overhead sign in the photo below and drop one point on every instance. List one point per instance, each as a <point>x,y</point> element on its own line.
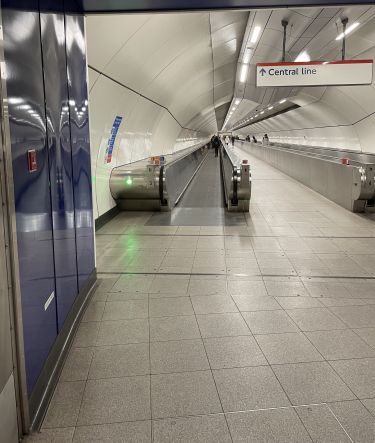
<point>343,72</point>
<point>111,140</point>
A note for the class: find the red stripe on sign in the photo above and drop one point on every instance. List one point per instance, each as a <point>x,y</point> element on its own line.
<point>336,62</point>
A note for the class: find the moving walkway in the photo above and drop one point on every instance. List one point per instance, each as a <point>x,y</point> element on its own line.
<point>188,174</point>
<point>343,176</point>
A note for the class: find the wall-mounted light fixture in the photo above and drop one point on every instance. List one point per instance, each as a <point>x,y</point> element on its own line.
<point>243,74</point>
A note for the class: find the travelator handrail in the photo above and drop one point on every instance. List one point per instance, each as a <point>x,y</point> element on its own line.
<point>236,179</point>
<point>144,186</point>
<point>353,156</point>
<point>345,177</point>
<point>331,154</point>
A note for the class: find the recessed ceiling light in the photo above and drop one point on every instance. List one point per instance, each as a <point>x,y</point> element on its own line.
<point>282,101</point>
<point>303,57</point>
<point>255,34</point>
<point>270,107</point>
<point>348,30</point>
<point>262,112</point>
<point>256,115</point>
<point>237,102</point>
<point>243,74</point>
<point>247,55</point>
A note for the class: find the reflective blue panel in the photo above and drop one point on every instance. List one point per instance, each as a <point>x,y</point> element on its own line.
<point>60,161</point>
<point>118,6</point>
<point>80,140</point>
<point>32,196</point>
<point>113,6</point>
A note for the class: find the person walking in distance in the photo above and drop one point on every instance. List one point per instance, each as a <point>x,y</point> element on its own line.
<point>216,145</point>
<point>211,145</point>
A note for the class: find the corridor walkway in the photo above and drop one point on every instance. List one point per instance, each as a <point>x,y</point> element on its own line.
<point>259,332</point>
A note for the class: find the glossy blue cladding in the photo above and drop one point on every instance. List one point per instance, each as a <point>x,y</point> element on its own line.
<point>32,196</point>
<point>134,6</point>
<point>54,214</point>
<point>60,161</point>
<point>118,6</point>
<point>80,141</point>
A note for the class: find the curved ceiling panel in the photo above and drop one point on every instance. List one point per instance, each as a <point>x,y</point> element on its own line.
<point>313,30</point>
<point>175,78</point>
<point>184,62</point>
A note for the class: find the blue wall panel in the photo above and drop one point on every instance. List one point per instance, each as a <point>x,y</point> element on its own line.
<point>60,161</point>
<point>32,196</point>
<point>80,140</point>
<point>48,113</point>
<point>121,6</point>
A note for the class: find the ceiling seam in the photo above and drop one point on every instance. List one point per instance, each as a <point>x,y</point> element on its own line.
<point>213,70</point>
<point>312,21</point>
<point>316,34</point>
<point>141,95</point>
<point>324,48</point>
<point>254,50</point>
<point>344,125</point>
<point>126,41</point>
<point>235,89</point>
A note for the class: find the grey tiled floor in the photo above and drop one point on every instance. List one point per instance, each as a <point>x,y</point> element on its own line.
<point>263,332</point>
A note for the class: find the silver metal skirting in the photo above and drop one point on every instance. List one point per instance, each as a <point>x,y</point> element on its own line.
<point>349,185</point>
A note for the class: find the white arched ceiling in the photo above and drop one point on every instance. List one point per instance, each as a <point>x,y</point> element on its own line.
<point>170,77</point>
<point>227,35</point>
<point>312,30</point>
<point>340,117</point>
<point>173,78</point>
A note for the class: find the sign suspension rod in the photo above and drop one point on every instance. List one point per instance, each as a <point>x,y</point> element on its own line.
<point>284,24</point>
<point>344,22</point>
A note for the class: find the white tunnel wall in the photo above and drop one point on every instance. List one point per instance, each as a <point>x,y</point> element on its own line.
<point>146,129</point>
<point>158,72</point>
<point>182,69</point>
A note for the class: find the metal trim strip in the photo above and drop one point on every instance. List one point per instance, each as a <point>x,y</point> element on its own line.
<point>6,163</point>
<point>47,381</point>
<point>334,62</point>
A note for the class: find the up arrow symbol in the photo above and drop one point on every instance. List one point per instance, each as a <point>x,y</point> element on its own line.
<point>262,72</point>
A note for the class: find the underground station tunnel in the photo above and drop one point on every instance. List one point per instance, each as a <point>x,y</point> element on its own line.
<point>187,230</point>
